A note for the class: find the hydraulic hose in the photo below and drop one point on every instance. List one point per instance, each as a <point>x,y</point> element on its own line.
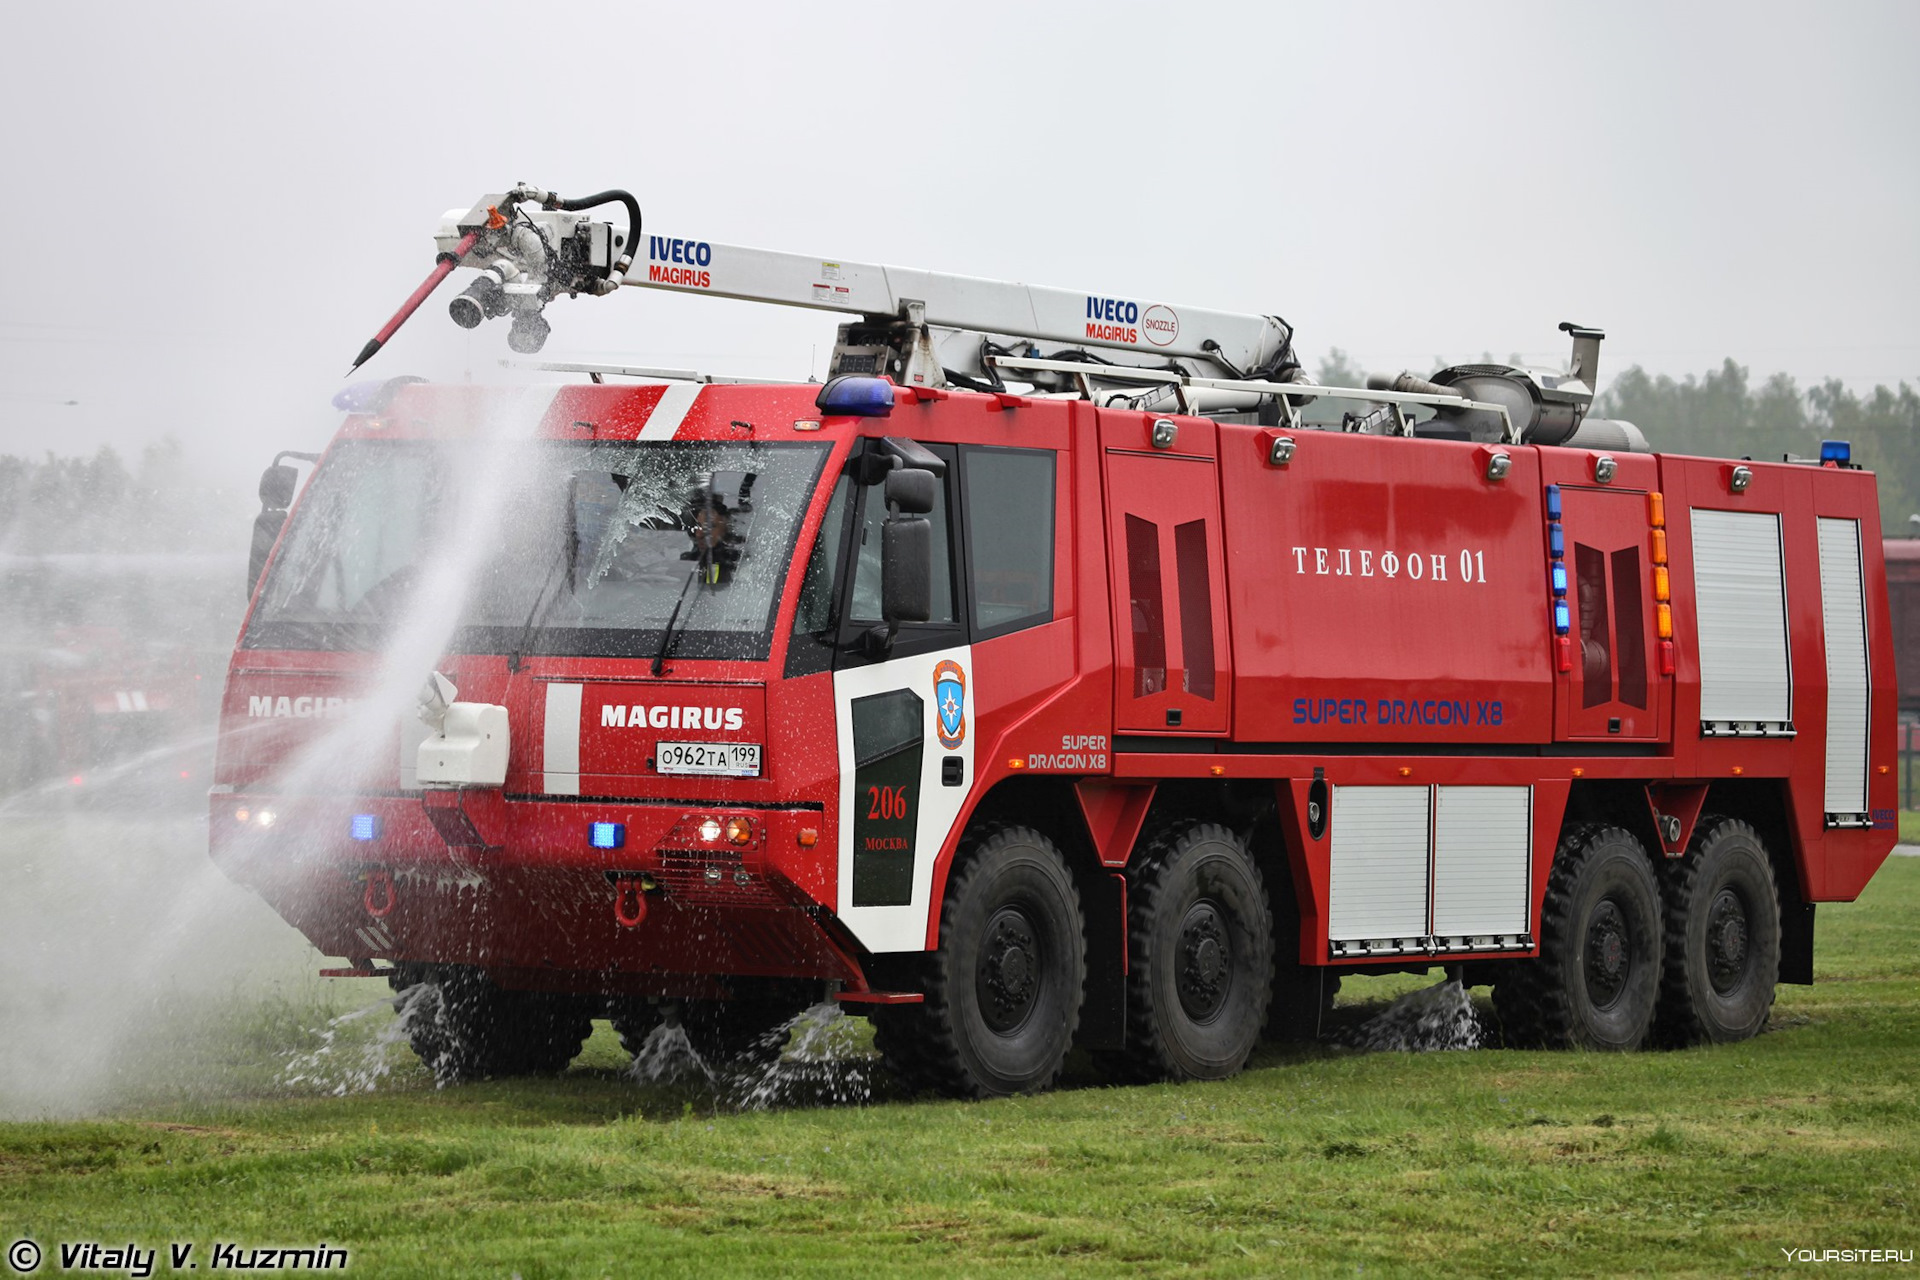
<point>618,269</point>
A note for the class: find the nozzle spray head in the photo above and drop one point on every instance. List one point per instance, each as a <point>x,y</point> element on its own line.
<point>436,695</point>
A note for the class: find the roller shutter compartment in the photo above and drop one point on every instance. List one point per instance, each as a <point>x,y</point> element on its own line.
<point>1740,599</point>
<point>1843,608</point>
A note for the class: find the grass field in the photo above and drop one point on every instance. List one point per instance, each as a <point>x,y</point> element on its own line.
<point>1709,1161</point>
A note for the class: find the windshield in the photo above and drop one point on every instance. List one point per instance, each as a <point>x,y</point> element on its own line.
<point>565,548</point>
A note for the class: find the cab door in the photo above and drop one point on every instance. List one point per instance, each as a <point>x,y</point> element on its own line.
<point>1614,691</point>
<point>1173,672</point>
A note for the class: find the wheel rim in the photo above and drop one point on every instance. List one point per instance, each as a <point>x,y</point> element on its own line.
<point>1203,962</point>
<point>1609,957</point>
<point>1727,936</point>
<point>1008,977</point>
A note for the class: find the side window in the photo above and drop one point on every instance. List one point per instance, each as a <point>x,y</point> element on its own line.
<point>815,613</point>
<point>810,648</point>
<point>866,572</point>
<point>1009,537</point>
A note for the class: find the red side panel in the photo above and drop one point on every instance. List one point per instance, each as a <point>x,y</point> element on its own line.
<point>1383,590</point>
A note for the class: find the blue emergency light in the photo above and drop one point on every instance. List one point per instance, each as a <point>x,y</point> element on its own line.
<point>1556,542</point>
<point>1562,619</point>
<point>860,396</point>
<point>1560,579</point>
<point>1553,502</point>
<point>608,835</point>
<point>1835,451</point>
<point>365,826</point>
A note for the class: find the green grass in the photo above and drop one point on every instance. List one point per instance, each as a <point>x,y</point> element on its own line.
<point>1705,1161</point>
<point>1909,826</point>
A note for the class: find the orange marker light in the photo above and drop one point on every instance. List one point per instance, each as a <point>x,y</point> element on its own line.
<point>739,830</point>
<point>1578,772</point>
<point>1663,620</point>
<point>1661,585</point>
<point>808,837</point>
<point>1738,770</point>
<point>1016,763</point>
<point>1657,510</point>
<point>1659,546</point>
<point>1405,772</point>
<point>1217,769</point>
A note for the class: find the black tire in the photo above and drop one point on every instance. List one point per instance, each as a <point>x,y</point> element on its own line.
<point>1302,994</point>
<point>1200,955</point>
<point>633,1021</point>
<point>464,1027</point>
<point>1597,980</point>
<point>1722,937</point>
<point>1302,998</point>
<point>1003,992</point>
<point>750,1027</point>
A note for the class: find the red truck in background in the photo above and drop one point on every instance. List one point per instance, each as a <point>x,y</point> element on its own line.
<point>1021,719</point>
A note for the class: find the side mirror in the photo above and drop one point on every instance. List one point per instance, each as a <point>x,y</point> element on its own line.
<point>276,487</point>
<point>276,495</point>
<point>906,568</point>
<point>911,491</point>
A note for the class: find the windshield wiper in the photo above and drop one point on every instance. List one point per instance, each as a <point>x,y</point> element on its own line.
<point>569,555</point>
<point>667,633</point>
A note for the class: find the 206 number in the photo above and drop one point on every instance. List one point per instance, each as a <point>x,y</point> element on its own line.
<point>887,804</point>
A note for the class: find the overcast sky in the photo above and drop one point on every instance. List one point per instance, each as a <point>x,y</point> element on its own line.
<point>213,206</point>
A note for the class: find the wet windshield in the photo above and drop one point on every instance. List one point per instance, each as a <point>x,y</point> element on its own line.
<point>575,548</point>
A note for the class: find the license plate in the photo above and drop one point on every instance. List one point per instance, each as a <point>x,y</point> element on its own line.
<point>724,759</point>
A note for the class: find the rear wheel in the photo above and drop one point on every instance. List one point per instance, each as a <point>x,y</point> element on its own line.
<point>1598,976</point>
<point>1200,964</point>
<point>464,1027</point>
<point>1003,992</point>
<point>1722,936</point>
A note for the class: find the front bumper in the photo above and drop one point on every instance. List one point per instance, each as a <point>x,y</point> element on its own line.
<point>517,887</point>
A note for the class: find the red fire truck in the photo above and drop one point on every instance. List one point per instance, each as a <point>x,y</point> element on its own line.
<point>1043,678</point>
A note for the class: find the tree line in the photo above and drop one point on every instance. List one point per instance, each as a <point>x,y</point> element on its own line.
<point>57,505</point>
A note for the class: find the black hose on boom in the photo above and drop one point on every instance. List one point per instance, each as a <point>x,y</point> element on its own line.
<point>618,268</point>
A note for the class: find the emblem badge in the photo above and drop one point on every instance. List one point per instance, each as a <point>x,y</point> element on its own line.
<point>950,701</point>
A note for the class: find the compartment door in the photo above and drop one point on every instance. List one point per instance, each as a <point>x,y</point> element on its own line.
<point>1843,610</point>
<point>1614,690</point>
<point>1170,594</point>
<point>1746,673</point>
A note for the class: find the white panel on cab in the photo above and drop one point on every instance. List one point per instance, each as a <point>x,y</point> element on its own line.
<point>1482,859</point>
<point>1746,684</point>
<point>1379,857</point>
<point>1843,606</point>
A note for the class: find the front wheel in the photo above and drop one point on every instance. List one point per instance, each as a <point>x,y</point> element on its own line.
<point>464,1027</point>
<point>1723,937</point>
<point>1003,992</point>
<point>1598,975</point>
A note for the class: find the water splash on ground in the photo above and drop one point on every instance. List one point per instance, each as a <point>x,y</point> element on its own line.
<point>1434,1018</point>
<point>820,1060</point>
<point>667,1056</point>
<point>824,1064</point>
<point>358,1049</point>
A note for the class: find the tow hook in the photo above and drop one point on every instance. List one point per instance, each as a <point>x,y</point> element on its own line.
<point>378,897</point>
<point>630,901</point>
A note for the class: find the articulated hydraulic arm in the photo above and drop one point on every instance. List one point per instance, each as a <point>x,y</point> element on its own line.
<point>923,328</point>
